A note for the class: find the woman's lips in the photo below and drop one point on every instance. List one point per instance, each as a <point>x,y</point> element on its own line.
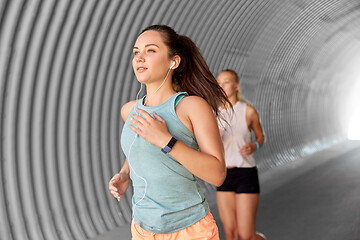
<point>141,69</point>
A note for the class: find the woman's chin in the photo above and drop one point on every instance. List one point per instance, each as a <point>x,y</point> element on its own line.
<point>144,79</point>
<point>141,79</point>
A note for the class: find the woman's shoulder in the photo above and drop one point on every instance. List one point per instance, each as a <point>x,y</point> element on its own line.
<point>194,107</point>
<point>126,109</point>
<point>250,108</point>
<point>195,100</point>
<point>194,103</point>
<point>251,111</point>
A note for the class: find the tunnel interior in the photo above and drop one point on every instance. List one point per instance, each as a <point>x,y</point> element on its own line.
<point>65,72</point>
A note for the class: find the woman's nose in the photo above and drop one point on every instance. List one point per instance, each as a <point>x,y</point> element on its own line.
<point>139,57</point>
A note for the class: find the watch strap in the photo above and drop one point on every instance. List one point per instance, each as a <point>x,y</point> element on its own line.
<point>170,145</point>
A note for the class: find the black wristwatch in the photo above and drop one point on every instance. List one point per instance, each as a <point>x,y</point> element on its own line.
<point>170,145</point>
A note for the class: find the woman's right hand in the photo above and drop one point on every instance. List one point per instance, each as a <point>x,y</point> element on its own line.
<point>118,185</point>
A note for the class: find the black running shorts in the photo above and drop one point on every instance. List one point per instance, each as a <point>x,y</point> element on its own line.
<point>241,180</point>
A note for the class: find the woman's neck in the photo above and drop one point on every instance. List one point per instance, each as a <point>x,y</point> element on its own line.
<point>233,99</point>
<point>156,95</point>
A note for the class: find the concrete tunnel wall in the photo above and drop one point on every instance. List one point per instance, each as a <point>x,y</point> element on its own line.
<point>65,72</point>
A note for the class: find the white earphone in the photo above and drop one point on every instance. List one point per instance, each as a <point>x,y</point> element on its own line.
<point>172,65</point>
<point>136,135</point>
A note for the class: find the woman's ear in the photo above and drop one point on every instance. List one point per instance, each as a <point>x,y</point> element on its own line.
<point>177,61</point>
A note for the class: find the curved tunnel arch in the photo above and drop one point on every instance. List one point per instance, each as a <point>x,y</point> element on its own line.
<point>65,70</point>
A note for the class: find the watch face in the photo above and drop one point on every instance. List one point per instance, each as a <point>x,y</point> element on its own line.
<point>172,142</point>
<point>169,146</point>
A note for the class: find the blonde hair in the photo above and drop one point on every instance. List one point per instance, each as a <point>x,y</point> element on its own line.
<point>239,95</point>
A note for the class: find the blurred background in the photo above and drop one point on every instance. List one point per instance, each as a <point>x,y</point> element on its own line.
<point>65,72</point>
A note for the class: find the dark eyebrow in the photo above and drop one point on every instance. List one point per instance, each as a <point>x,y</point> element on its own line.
<point>148,45</point>
<point>151,44</point>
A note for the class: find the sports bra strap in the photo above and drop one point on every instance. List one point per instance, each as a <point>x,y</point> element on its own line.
<point>178,98</point>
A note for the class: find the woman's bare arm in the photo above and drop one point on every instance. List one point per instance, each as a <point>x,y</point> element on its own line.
<point>119,183</point>
<point>208,163</point>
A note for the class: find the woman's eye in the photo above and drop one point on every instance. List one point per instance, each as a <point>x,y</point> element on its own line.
<point>151,50</point>
<point>136,53</point>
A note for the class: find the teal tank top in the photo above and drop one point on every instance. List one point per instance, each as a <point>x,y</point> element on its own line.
<point>167,197</point>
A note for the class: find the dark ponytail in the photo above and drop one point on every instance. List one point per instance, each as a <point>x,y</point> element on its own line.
<point>193,74</point>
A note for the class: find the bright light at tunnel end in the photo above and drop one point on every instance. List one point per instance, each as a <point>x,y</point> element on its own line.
<point>353,110</point>
<point>354,125</point>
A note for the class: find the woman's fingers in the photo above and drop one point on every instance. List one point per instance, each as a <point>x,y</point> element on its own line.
<point>146,117</point>
<point>138,120</point>
<point>157,117</point>
<point>115,192</point>
<point>245,150</point>
<point>145,114</point>
<point>135,130</point>
<point>152,129</point>
<point>113,188</point>
<point>115,182</point>
<point>116,195</point>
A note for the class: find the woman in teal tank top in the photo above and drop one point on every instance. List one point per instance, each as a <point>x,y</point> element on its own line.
<point>170,137</point>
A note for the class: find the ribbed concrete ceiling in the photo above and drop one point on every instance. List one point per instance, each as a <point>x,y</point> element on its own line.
<point>65,72</point>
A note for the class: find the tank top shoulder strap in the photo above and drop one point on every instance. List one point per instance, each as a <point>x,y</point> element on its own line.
<point>178,97</point>
<point>241,114</point>
<point>189,137</point>
<point>138,104</point>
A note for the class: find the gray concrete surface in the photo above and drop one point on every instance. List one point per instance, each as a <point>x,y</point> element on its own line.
<point>317,197</point>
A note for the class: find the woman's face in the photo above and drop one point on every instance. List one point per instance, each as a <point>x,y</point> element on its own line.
<point>227,82</point>
<point>151,60</point>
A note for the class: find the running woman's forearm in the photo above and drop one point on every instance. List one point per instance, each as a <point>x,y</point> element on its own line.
<point>205,166</point>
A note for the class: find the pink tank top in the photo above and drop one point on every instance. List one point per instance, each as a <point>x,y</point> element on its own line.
<point>234,135</point>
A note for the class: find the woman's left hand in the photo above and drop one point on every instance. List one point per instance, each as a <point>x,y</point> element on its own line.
<point>246,150</point>
<point>152,129</point>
